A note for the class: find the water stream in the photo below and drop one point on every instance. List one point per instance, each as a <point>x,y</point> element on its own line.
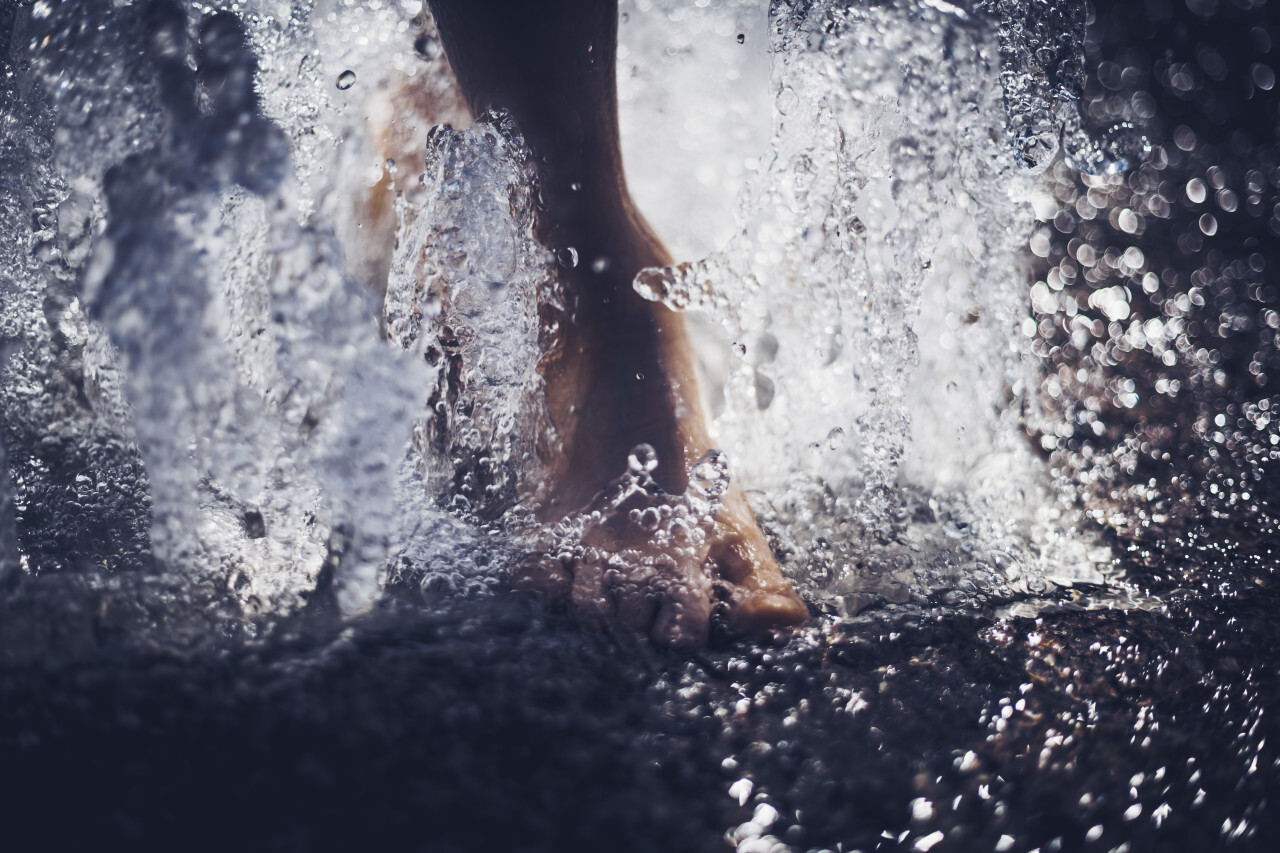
<point>985,313</point>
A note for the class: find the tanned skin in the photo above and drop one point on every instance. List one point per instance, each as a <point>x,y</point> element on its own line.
<point>622,372</point>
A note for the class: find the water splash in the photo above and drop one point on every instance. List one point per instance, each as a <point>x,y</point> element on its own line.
<point>1141,377</point>
<point>873,290</point>
<point>467,288</point>
<point>869,356</point>
<point>211,325</point>
<point>1042,74</point>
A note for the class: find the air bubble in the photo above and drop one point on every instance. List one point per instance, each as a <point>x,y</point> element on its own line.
<point>346,79</point>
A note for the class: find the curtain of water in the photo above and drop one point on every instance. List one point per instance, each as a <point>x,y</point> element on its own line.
<point>199,370</point>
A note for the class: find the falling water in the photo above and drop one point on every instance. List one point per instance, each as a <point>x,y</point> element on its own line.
<point>982,301</point>
<point>214,251</point>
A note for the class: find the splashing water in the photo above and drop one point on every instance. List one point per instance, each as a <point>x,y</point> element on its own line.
<point>209,257</point>
<point>874,289</point>
<point>464,292</point>
<point>207,285</point>
<point>212,325</point>
<point>983,302</point>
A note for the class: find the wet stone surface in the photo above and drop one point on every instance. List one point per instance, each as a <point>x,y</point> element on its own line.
<point>206,695</point>
<point>500,726</point>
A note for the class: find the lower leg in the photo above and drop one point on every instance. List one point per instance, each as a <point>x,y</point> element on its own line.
<point>623,372</point>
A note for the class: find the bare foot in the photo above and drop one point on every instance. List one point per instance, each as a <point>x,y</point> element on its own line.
<point>661,564</point>
<point>648,529</point>
<point>641,523</point>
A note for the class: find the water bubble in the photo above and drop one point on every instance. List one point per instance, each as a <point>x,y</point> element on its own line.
<point>710,475</point>
<point>1196,191</point>
<point>647,519</point>
<point>642,459</point>
<point>427,47</point>
<point>1036,150</point>
<point>739,349</point>
<point>742,37</point>
<point>1263,77</point>
<point>1125,147</point>
<point>346,79</point>
<point>765,391</point>
<point>786,100</point>
<point>568,257</point>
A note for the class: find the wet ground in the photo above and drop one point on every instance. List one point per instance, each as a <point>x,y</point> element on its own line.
<point>500,726</point>
<point>1137,718</point>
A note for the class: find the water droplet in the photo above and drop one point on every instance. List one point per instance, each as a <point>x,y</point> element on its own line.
<point>1036,149</point>
<point>650,283</point>
<point>646,519</point>
<point>576,186</point>
<point>642,459</point>
<point>427,47</point>
<point>1196,190</point>
<point>568,257</point>
<point>741,38</point>
<point>1125,147</point>
<point>786,100</point>
<point>599,265</point>
<point>346,79</point>
<point>739,349</point>
<point>710,475</point>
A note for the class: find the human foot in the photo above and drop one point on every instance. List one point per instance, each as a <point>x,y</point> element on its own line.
<point>665,565</point>
<point>643,526</point>
<point>672,542</point>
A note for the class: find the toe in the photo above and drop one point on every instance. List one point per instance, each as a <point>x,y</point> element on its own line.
<point>684,618</point>
<point>754,610</point>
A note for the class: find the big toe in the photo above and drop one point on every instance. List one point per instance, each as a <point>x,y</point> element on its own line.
<point>754,610</point>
